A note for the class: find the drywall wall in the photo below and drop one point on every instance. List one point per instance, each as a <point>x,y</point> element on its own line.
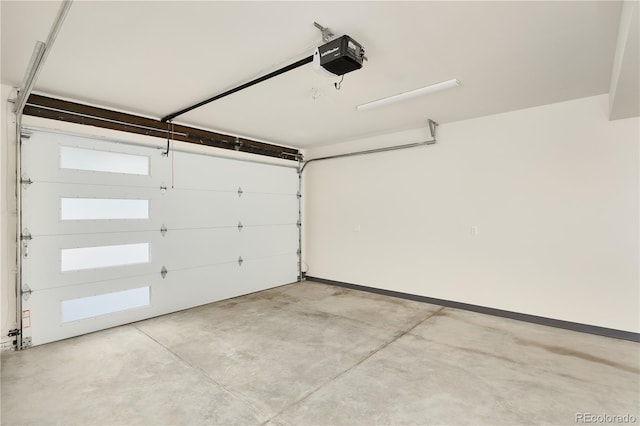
<point>7,215</point>
<point>534,211</point>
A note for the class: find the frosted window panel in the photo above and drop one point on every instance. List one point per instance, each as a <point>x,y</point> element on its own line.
<point>77,259</point>
<point>93,306</point>
<point>103,161</point>
<point>103,208</point>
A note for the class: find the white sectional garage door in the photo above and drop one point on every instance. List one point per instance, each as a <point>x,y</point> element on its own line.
<point>121,233</point>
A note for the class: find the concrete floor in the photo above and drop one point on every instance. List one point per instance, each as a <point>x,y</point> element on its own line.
<point>313,354</point>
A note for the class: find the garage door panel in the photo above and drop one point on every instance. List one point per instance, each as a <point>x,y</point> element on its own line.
<point>192,287</point>
<point>267,241</point>
<point>44,267</point>
<point>268,209</point>
<point>45,309</point>
<point>53,157</point>
<point>260,274</point>
<point>198,247</point>
<point>199,209</point>
<point>56,209</point>
<point>193,171</point>
<point>262,178</point>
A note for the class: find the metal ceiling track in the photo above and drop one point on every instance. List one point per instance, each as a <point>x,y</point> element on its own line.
<point>57,109</point>
<point>432,129</point>
<point>40,53</point>
<point>327,35</point>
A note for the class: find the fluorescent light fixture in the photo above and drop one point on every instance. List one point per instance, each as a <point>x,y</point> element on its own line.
<point>410,94</point>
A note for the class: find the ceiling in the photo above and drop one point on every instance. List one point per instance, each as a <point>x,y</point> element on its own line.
<point>153,58</point>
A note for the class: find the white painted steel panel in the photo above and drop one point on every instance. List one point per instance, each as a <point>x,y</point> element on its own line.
<point>200,210</point>
<point>42,212</point>
<point>269,209</point>
<point>194,171</point>
<point>42,158</point>
<point>45,309</point>
<point>190,209</point>
<point>258,242</point>
<point>41,268</point>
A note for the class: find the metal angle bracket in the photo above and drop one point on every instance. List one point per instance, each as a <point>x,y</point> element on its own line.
<point>163,272</point>
<point>163,229</point>
<point>432,127</point>
<point>25,237</point>
<point>25,181</point>
<point>327,35</point>
<point>240,261</point>
<point>26,292</point>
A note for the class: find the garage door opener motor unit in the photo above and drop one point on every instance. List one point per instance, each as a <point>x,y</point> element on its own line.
<point>340,56</point>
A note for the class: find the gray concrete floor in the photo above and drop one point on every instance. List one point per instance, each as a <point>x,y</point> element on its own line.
<point>313,354</point>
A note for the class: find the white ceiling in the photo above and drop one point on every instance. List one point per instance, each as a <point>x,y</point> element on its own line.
<point>154,58</point>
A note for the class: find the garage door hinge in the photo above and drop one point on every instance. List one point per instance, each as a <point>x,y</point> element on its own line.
<point>163,188</point>
<point>299,252</point>
<point>240,191</point>
<point>240,226</point>
<point>25,181</point>
<point>25,237</point>
<point>163,229</point>
<point>240,261</point>
<point>26,292</point>
<point>299,195</point>
<point>299,224</point>
<point>163,272</point>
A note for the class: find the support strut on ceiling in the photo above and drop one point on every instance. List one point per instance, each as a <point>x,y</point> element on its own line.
<point>275,73</point>
<point>327,36</point>
<point>432,129</point>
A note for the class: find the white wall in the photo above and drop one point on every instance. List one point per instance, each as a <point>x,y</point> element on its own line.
<point>552,191</point>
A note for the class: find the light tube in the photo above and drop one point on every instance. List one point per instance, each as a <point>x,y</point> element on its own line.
<point>410,94</point>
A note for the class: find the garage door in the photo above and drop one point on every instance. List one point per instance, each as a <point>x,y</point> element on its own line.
<point>114,233</point>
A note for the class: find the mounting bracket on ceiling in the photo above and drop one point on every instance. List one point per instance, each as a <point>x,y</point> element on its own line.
<point>327,35</point>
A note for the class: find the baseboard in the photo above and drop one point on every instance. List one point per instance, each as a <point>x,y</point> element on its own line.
<point>568,325</point>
